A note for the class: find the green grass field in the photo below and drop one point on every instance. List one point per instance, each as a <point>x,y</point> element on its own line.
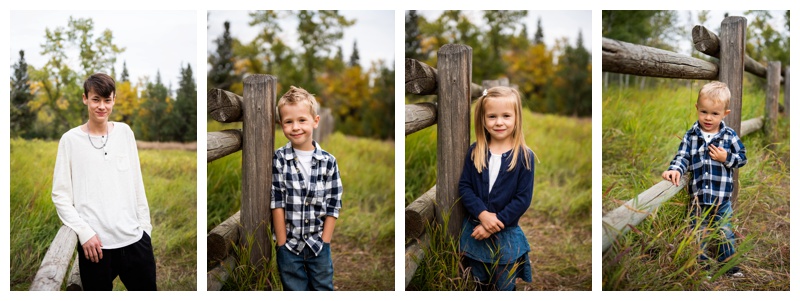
<point>558,223</point>
<point>363,242</point>
<point>170,180</point>
<point>641,133</point>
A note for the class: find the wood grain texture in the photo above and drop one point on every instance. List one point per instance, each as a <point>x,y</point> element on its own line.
<point>731,72</point>
<point>454,78</point>
<point>415,253</point>
<point>627,58</point>
<point>74,279</point>
<point>750,126</point>
<point>707,42</point>
<point>257,152</point>
<point>56,261</point>
<point>634,211</point>
<point>222,143</point>
<point>786,91</point>
<point>419,116</point>
<point>421,80</point>
<point>216,277</point>
<point>325,127</point>
<point>224,106</point>
<point>420,213</point>
<point>771,106</point>
<point>221,239</point>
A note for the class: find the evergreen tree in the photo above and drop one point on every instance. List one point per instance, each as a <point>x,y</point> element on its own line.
<point>221,74</point>
<point>124,76</point>
<point>538,37</point>
<point>354,59</point>
<point>21,115</point>
<point>184,111</point>
<point>413,42</point>
<point>150,125</point>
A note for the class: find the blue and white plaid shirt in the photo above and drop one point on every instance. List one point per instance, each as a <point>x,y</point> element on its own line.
<point>712,181</point>
<point>305,208</point>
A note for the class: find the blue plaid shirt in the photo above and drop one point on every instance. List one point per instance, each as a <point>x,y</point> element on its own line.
<point>712,181</point>
<point>305,208</point>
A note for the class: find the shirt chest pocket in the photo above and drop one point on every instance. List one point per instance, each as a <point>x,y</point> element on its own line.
<point>123,162</point>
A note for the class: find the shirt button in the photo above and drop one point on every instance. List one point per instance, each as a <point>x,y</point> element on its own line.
<point>706,186</point>
<point>305,236</point>
<point>306,221</point>
<point>306,203</point>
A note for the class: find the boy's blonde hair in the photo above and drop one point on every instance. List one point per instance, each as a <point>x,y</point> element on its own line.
<point>716,92</point>
<point>297,95</point>
<point>482,136</point>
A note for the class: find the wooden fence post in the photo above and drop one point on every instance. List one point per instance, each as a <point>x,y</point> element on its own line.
<point>773,93</point>
<point>454,78</point>
<point>731,72</point>
<point>257,152</point>
<point>786,92</point>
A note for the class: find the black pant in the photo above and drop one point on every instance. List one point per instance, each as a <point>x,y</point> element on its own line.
<point>134,264</point>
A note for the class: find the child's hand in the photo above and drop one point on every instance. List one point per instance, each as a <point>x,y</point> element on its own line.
<point>673,176</point>
<point>480,233</point>
<point>490,222</point>
<point>717,153</point>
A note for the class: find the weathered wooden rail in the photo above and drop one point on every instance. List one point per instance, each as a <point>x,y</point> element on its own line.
<point>627,58</point>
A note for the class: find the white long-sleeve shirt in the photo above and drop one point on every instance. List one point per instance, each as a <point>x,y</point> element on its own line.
<point>100,191</point>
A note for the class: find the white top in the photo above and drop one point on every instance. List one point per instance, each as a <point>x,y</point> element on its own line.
<point>304,157</point>
<point>494,168</point>
<point>100,191</point>
<point>707,136</point>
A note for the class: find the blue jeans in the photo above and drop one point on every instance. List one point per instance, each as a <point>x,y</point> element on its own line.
<point>503,277</point>
<point>714,218</point>
<point>306,271</point>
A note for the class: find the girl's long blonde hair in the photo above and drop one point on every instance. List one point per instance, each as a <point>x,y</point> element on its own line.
<point>482,137</point>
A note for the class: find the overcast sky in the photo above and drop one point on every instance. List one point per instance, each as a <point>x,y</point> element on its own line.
<point>715,19</point>
<point>153,40</point>
<point>555,24</point>
<point>373,30</point>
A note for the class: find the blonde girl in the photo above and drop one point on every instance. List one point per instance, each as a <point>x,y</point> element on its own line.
<point>496,188</point>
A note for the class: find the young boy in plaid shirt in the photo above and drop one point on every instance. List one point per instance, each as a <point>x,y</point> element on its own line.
<point>711,150</point>
<point>306,197</point>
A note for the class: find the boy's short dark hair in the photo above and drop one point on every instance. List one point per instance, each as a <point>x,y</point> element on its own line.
<point>101,84</point>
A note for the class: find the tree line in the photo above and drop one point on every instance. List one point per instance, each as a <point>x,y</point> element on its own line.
<point>361,98</point>
<point>46,101</point>
<point>664,29</point>
<point>551,78</point>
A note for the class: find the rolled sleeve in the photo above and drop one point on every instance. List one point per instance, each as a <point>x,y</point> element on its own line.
<point>333,193</point>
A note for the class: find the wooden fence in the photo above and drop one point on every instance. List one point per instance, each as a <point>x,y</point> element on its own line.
<point>256,111</point>
<point>451,81</point>
<point>728,47</point>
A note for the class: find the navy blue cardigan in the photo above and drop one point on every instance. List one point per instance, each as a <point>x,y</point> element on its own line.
<point>511,194</point>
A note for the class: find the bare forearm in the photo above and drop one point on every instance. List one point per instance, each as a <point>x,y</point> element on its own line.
<point>279,225</point>
<point>327,230</point>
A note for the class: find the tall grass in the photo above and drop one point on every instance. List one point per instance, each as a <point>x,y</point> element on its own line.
<point>561,253</point>
<point>366,221</point>
<point>641,133</point>
<point>170,180</point>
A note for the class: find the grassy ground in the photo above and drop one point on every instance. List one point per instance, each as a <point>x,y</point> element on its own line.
<point>363,244</point>
<point>170,182</point>
<point>641,133</point>
<point>558,223</point>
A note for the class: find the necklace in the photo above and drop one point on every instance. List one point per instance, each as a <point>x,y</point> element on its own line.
<point>103,147</point>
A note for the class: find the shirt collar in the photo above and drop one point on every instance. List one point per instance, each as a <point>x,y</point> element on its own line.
<point>289,154</point>
<point>722,128</point>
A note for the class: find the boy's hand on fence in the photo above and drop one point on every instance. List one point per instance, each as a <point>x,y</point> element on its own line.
<point>673,176</point>
<point>490,222</point>
<point>480,233</point>
<point>717,153</point>
<point>92,249</point>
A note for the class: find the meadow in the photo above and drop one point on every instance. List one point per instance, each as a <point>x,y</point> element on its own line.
<point>558,222</point>
<point>641,133</point>
<point>170,181</point>
<point>363,242</point>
